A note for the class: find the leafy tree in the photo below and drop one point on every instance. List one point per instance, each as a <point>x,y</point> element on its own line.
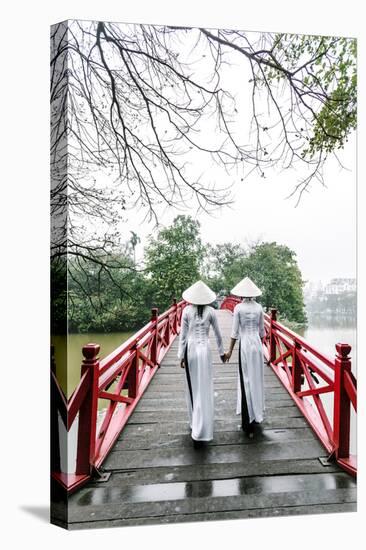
<point>327,65</point>
<point>59,299</point>
<point>274,269</point>
<point>134,241</point>
<point>222,267</point>
<point>99,303</point>
<point>173,260</point>
<point>321,75</point>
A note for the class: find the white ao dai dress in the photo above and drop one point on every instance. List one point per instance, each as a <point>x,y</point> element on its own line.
<point>248,328</point>
<point>194,347</point>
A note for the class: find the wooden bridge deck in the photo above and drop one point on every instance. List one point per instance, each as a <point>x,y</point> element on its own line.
<point>157,476</point>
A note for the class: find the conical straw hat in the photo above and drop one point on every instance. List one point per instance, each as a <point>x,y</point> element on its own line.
<point>246,289</point>
<point>199,294</point>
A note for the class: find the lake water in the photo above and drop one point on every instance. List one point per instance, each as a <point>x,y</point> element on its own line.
<point>324,334</point>
<point>69,357</point>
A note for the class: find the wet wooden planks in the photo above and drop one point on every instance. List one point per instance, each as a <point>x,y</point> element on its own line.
<point>157,476</point>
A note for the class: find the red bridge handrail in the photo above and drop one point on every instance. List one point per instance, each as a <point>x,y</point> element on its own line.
<point>121,378</point>
<point>308,374</point>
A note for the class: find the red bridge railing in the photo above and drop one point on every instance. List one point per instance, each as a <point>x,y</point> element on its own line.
<point>309,376</point>
<point>121,378</point>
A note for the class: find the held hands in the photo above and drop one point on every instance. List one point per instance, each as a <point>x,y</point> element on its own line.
<point>226,357</point>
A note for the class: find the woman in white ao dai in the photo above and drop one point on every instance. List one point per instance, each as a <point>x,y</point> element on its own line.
<point>195,355</point>
<point>248,328</point>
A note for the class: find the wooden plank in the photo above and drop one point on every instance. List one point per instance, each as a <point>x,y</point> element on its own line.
<point>213,489</point>
<point>218,383</point>
<point>171,365</point>
<point>167,369</point>
<point>253,485</point>
<point>179,376</point>
<point>176,415</point>
<point>222,406</point>
<point>222,515</point>
<point>212,455</point>
<point>195,505</point>
<point>217,471</point>
<point>230,424</point>
<point>162,391</point>
<point>158,439</point>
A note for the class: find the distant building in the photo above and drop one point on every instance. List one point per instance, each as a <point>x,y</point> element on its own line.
<point>340,286</point>
<point>336,298</point>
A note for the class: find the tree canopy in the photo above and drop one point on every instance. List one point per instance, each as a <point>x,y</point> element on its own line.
<point>99,303</point>
<point>272,266</point>
<point>174,259</point>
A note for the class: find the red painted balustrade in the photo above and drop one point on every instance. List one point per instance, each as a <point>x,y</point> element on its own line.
<point>121,378</point>
<point>310,377</point>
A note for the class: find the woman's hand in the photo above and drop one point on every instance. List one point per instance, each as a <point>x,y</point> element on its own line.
<point>227,356</point>
<point>182,364</point>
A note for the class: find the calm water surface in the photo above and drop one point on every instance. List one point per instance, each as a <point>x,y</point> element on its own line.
<point>324,334</point>
<point>68,363</point>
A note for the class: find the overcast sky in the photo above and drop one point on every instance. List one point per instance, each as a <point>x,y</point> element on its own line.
<point>321,229</point>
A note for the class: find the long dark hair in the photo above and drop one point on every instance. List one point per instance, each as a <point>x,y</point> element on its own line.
<point>200,310</point>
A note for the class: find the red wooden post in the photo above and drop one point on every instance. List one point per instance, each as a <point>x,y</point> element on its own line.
<point>342,404</point>
<point>88,411</point>
<point>296,368</point>
<point>133,375</point>
<point>167,331</point>
<point>154,345</point>
<point>179,315</point>
<point>175,323</point>
<point>272,341</point>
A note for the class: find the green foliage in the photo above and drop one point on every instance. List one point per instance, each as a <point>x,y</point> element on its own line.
<point>222,266</point>
<point>100,301</point>
<point>274,269</point>
<point>120,299</point>
<point>325,67</point>
<point>336,119</point>
<point>59,296</point>
<point>173,260</point>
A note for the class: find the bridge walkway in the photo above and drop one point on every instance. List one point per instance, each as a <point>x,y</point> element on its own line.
<point>157,476</point>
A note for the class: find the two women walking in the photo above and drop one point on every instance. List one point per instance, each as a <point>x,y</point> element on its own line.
<point>195,356</point>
